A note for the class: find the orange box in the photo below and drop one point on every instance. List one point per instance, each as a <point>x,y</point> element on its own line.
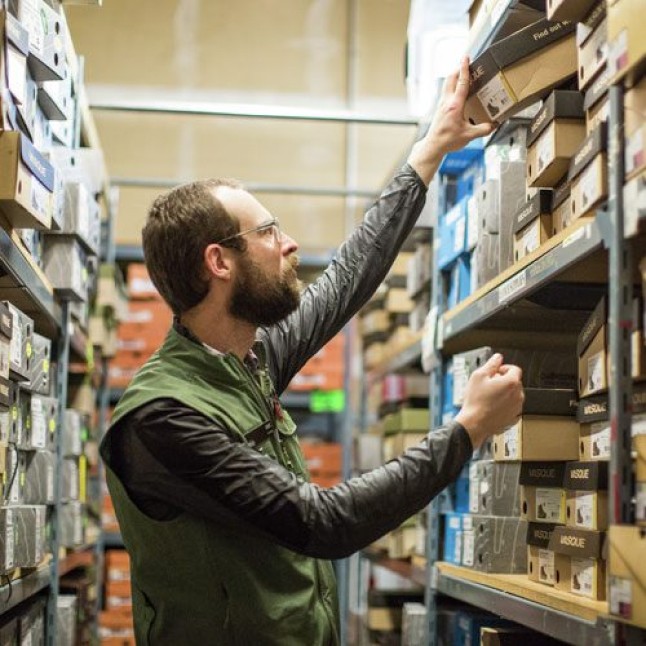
<point>117,565</point>
<point>323,457</point>
<point>145,327</point>
<point>124,366</point>
<point>118,596</point>
<point>326,480</point>
<point>116,629</point>
<point>317,381</point>
<point>124,640</point>
<point>139,284</point>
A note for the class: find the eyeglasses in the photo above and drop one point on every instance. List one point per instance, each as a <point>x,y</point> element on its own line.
<point>272,226</point>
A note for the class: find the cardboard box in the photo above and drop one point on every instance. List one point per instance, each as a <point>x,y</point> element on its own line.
<point>592,349</point>
<point>74,432</point>
<point>594,441</point>
<point>593,50</point>
<point>43,422</point>
<point>639,446</point>
<point>452,235</point>
<point>587,498</point>
<point>81,214</point>
<point>65,265</point>
<point>21,343</point>
<point>596,103</point>
<point>538,438</point>
<point>555,134</point>
<point>40,365</point>
<point>6,332</point>
<point>7,539</point>
<point>579,564</point>
<point>72,532</point>
<point>30,526</point>
<point>626,39</point>
<point>498,493</point>
<point>39,478</point>
<point>635,129</point>
<point>55,98</point>
<point>627,573</point>
<point>414,420</point>
<point>543,498</point>
<point>500,544</point>
<point>26,183</point>
<point>452,544</point>
<point>544,53</point>
<point>532,224</point>
<point>66,618</point>
<point>140,286</point>
<point>486,258</point>
<point>569,9</point>
<point>540,558</point>
<point>16,465</point>
<point>561,208</point>
<point>588,174</point>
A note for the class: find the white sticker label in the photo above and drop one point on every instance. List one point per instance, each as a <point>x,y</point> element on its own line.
<point>472,222</point>
<point>40,199</point>
<point>546,566</point>
<point>512,286</point>
<point>457,553</point>
<point>618,52</point>
<point>511,442</point>
<point>50,482</point>
<point>640,510</point>
<point>531,239</point>
<point>468,545</point>
<point>600,441</point>
<point>584,510</point>
<point>460,232</point>
<point>621,597</point>
<point>582,577</point>
<point>545,150</point>
<point>460,379</point>
<point>635,153</point>
<point>589,190</point>
<point>595,372</point>
<point>38,424</point>
<point>5,352</point>
<point>9,549</point>
<point>550,505</point>
<point>494,97</point>
<point>16,74</point>
<point>16,343</point>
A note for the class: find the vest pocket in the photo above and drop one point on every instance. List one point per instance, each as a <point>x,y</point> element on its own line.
<point>147,614</point>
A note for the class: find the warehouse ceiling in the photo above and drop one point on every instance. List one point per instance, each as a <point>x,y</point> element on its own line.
<point>319,60</point>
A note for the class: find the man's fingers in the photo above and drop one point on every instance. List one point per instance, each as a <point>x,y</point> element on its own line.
<point>462,85</point>
<point>513,372</point>
<point>493,364</point>
<point>449,84</point>
<point>482,130</point>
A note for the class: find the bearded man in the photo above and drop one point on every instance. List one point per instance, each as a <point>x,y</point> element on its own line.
<point>229,541</point>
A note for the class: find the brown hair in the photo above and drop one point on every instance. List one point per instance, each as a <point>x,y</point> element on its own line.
<point>180,225</point>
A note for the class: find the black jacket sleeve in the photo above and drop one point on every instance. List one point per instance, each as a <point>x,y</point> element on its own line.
<point>172,459</point>
<point>359,267</point>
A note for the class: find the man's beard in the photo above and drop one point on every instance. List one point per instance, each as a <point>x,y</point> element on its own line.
<point>263,300</point>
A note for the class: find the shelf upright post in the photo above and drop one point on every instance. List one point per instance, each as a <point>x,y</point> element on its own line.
<point>620,321</point>
<point>62,370</point>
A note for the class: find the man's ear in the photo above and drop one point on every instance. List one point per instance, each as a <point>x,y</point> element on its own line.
<point>218,261</point>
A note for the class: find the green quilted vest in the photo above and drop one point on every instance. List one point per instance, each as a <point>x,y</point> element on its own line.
<point>197,582</point>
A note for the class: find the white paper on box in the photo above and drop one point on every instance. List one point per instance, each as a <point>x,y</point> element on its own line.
<point>472,223</point>
<point>549,505</point>
<point>40,198</point>
<point>634,154</point>
<point>582,576</point>
<point>16,342</point>
<point>38,424</point>
<point>5,353</point>
<point>639,425</point>
<point>511,442</point>
<point>494,97</point>
<point>50,481</point>
<point>469,545</point>
<point>16,71</point>
<point>640,508</point>
<point>546,566</point>
<point>589,185</point>
<point>584,509</point>
<point>460,379</point>
<point>545,149</point>
<point>474,488</point>
<point>600,439</point>
<point>531,239</point>
<point>595,371</point>
<point>620,597</point>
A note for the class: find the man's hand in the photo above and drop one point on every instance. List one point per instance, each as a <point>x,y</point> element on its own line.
<point>449,130</point>
<point>493,400</point>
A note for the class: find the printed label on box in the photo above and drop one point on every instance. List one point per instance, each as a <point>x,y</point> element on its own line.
<point>640,509</point>
<point>584,509</point>
<point>549,505</point>
<point>582,577</point>
<point>40,198</point>
<point>16,74</point>
<point>545,151</point>
<point>595,372</point>
<point>618,52</point>
<point>474,489</point>
<point>468,547</point>
<point>546,566</point>
<point>634,155</point>
<point>16,342</point>
<point>511,442</point>
<point>460,380</point>
<point>50,481</point>
<point>38,424</point>
<point>457,553</point>
<point>531,239</point>
<point>621,597</point>
<point>639,425</point>
<point>589,186</point>
<point>495,97</point>
<point>600,440</point>
<point>472,222</point>
<point>9,548</point>
<point>5,351</point>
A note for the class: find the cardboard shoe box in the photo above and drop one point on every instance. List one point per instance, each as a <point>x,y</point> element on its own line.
<point>592,45</point>
<point>39,478</point>
<point>72,524</point>
<point>6,332</point>
<point>626,38</point>
<point>40,368</point>
<point>596,103</point>
<point>635,129</point>
<point>540,558</point>
<point>561,208</point>
<point>21,343</point>
<point>555,134</point>
<point>74,432</point>
<point>543,53</point>
<point>580,567</point>
<point>543,498</point>
<point>532,224</point>
<point>44,416</point>
<point>588,173</point>
<point>500,544</point>
<point>70,476</point>
<point>64,263</point>
<point>26,183</point>
<point>639,446</point>
<point>568,9</point>
<point>30,523</point>
<point>587,495</point>
<point>81,211</point>
<point>7,539</point>
<point>592,350</point>
<point>498,493</point>
<point>627,573</point>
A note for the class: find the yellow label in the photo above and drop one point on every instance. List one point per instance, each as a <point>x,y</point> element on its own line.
<point>52,426</point>
<point>46,365</point>
<point>28,350</point>
<point>22,479</point>
<point>82,478</point>
<point>14,413</point>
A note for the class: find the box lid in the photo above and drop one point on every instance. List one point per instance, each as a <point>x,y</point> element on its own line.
<point>515,47</point>
<point>560,194</point>
<point>539,534</point>
<point>577,542</point>
<point>586,476</point>
<point>16,33</point>
<point>550,401</point>
<point>598,89</point>
<point>540,204</point>
<point>507,128</point>
<point>597,407</point>
<point>598,318</point>
<point>542,474</point>
<point>560,104</point>
<point>593,144</point>
<point>585,28</point>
